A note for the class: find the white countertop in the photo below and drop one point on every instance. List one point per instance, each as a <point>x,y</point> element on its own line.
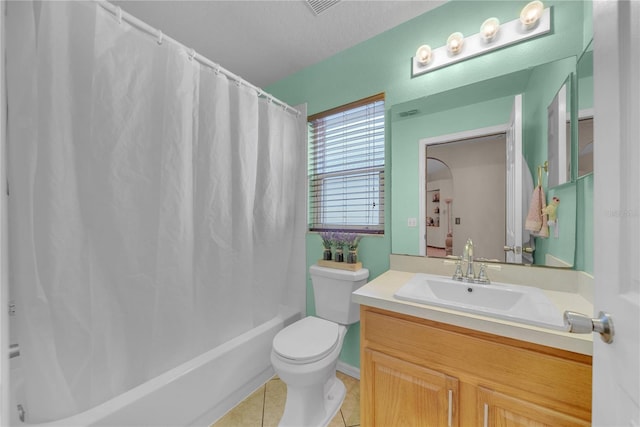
<point>379,293</point>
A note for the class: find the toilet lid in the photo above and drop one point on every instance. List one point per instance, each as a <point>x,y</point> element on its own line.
<point>306,340</point>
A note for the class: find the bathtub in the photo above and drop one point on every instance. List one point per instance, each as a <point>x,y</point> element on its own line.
<point>196,393</point>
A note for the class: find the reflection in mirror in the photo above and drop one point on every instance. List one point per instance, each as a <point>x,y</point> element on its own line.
<point>585,111</point>
<point>486,104</point>
<point>559,136</point>
<point>585,146</point>
<point>477,209</point>
<point>439,233</point>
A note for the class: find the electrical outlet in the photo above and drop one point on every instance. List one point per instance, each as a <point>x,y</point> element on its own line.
<point>457,221</point>
<point>412,222</point>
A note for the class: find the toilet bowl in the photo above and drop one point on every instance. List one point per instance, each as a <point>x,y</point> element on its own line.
<point>305,354</point>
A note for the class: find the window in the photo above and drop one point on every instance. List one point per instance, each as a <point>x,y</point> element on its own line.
<point>346,168</point>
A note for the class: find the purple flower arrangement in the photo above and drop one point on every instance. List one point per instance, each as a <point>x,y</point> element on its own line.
<point>339,240</point>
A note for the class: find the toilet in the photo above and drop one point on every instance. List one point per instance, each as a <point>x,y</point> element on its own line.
<point>305,353</point>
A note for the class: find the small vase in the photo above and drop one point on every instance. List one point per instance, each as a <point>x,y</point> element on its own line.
<point>326,255</point>
<point>352,256</point>
<point>339,255</point>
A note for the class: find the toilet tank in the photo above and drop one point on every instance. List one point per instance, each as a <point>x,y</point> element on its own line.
<point>332,290</point>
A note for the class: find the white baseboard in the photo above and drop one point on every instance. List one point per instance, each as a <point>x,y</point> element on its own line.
<point>352,371</point>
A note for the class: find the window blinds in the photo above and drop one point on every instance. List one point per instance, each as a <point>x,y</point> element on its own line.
<point>346,168</point>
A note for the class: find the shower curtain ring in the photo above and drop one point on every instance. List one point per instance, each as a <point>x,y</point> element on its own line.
<point>119,13</point>
<point>192,54</point>
<point>160,37</point>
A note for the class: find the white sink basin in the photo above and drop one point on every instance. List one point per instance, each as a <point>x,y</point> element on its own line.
<point>523,304</point>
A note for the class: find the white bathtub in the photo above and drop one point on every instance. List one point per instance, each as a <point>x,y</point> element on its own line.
<point>196,393</point>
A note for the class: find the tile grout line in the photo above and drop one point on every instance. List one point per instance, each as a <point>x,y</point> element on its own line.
<point>264,402</point>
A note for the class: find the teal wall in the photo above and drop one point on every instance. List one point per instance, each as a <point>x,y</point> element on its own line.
<point>585,80</point>
<point>544,83</point>
<point>382,64</point>
<point>584,240</point>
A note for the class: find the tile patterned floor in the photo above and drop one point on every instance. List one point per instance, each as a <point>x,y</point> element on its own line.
<point>265,406</point>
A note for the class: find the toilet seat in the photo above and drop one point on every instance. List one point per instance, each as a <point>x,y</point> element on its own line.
<point>307,340</point>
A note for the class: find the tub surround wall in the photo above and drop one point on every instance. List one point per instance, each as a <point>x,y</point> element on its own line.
<point>195,393</point>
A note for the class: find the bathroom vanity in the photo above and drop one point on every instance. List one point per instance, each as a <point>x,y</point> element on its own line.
<point>425,365</point>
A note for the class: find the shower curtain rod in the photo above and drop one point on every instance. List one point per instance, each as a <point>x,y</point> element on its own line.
<point>121,15</point>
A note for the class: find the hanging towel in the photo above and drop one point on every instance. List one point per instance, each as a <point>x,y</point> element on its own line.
<point>533,222</point>
<point>544,230</point>
<point>527,189</point>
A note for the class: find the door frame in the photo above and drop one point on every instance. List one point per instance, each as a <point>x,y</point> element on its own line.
<point>422,167</point>
<point>4,282</point>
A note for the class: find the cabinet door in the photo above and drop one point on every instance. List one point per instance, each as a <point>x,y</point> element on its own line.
<point>399,393</point>
<point>500,410</point>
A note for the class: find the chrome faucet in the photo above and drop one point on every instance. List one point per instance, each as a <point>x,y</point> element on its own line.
<point>470,274</point>
<point>468,255</point>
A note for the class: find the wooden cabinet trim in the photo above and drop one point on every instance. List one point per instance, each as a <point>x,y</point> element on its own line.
<point>548,377</point>
<point>565,354</point>
<point>422,396</point>
<point>498,407</point>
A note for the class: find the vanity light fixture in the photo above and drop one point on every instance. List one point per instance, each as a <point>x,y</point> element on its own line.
<point>534,21</point>
<point>455,42</point>
<point>531,14</point>
<point>489,29</point>
<point>423,54</point>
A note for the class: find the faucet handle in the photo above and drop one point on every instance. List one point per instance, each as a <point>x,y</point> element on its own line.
<point>457,274</point>
<point>482,275</point>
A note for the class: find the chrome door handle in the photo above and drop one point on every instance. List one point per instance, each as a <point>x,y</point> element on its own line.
<point>518,250</point>
<point>581,324</point>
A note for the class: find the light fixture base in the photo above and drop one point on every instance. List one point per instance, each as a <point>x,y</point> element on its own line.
<point>510,33</point>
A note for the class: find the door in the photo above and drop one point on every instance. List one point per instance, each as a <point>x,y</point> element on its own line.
<point>421,396</point>
<point>514,184</point>
<point>499,409</point>
<point>616,366</point>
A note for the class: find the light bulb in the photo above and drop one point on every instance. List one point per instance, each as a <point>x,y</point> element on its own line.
<point>531,13</point>
<point>454,43</point>
<point>423,54</point>
<point>489,29</point>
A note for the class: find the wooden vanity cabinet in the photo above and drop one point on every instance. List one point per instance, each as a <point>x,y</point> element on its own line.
<point>417,372</point>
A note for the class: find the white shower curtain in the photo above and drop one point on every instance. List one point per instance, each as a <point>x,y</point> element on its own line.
<point>155,205</point>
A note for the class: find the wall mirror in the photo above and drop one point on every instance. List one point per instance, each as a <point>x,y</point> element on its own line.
<point>559,136</point>
<point>477,204</point>
<point>585,111</point>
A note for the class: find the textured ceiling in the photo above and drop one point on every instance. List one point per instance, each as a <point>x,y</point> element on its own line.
<point>264,41</point>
